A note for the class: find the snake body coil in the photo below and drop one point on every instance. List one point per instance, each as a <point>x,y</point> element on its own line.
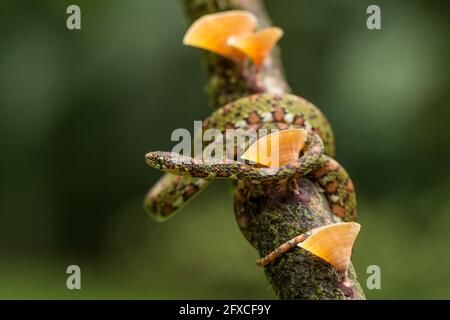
<point>187,176</point>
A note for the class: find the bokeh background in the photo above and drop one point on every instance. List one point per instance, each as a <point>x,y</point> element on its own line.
<point>79,109</point>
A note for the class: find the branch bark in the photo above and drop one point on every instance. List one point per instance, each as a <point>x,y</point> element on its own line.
<point>270,215</point>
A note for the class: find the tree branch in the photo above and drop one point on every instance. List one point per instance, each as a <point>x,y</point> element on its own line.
<point>270,215</point>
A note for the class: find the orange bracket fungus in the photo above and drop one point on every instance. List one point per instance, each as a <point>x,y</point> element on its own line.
<point>257,46</point>
<point>211,32</point>
<point>232,35</point>
<point>277,149</point>
<point>332,243</point>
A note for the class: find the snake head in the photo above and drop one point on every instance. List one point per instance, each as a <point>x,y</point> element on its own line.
<point>158,160</point>
<point>169,162</point>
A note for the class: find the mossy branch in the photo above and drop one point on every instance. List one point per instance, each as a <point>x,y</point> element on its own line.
<point>268,216</point>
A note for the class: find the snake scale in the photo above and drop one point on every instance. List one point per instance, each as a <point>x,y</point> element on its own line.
<point>186,176</point>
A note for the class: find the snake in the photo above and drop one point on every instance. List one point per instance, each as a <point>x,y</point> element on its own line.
<point>186,176</point>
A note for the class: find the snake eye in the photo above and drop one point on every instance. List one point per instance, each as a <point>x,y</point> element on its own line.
<point>160,161</point>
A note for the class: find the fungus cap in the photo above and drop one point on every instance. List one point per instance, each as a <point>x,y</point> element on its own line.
<point>211,32</point>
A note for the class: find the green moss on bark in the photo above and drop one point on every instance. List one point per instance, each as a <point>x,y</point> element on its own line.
<point>274,215</point>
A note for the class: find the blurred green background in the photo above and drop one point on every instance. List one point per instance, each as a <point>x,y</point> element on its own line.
<point>79,109</point>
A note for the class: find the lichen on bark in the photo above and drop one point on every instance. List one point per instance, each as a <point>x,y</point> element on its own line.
<point>270,215</point>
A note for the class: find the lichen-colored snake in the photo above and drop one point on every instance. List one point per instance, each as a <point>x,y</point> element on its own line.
<point>186,176</point>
